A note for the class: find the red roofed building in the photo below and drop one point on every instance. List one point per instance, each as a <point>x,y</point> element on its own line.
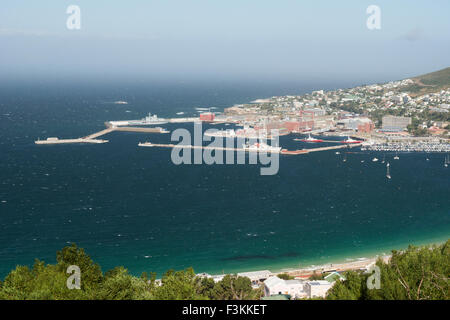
<point>297,126</point>
<point>436,130</point>
<point>207,116</point>
<point>366,127</point>
<point>292,126</point>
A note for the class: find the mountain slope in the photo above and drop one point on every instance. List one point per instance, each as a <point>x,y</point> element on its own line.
<point>437,78</point>
<point>430,82</point>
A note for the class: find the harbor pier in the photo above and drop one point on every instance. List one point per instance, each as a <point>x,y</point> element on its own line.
<point>282,151</point>
<point>92,138</point>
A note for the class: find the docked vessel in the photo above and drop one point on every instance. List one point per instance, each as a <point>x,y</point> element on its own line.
<point>248,133</point>
<point>221,133</point>
<point>350,140</point>
<point>310,139</point>
<point>148,120</point>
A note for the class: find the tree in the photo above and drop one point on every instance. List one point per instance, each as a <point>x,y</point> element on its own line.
<point>233,287</point>
<point>285,276</point>
<point>316,276</point>
<point>351,288</point>
<point>413,274</point>
<point>42,282</point>
<point>119,285</point>
<point>179,285</point>
<point>91,273</point>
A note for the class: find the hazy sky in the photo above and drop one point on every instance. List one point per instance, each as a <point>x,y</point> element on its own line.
<point>233,39</point>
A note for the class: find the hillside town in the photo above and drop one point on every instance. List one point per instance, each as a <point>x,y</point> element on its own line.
<point>380,112</point>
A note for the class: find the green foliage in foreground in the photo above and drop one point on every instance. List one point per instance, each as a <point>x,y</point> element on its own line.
<point>48,282</point>
<point>418,273</point>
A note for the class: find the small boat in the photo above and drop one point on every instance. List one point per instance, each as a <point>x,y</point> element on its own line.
<point>337,152</point>
<point>374,159</point>
<point>384,157</point>
<point>446,161</point>
<point>388,174</point>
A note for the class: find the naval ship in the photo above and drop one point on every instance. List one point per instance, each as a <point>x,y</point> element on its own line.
<point>148,120</point>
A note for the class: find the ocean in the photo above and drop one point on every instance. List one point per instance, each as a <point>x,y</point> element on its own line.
<point>131,206</point>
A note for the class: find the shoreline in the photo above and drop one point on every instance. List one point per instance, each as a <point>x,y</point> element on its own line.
<point>343,264</point>
<point>362,263</point>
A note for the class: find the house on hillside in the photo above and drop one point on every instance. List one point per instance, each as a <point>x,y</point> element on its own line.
<point>317,288</point>
<point>277,286</point>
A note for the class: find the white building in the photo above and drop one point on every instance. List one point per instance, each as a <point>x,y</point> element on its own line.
<point>353,123</point>
<point>316,111</point>
<point>275,286</point>
<point>317,288</point>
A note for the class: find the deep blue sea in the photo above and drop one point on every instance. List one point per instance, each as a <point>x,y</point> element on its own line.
<point>131,206</point>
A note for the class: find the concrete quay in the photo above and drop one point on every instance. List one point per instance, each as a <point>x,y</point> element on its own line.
<point>92,138</point>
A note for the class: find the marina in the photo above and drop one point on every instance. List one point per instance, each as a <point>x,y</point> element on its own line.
<point>408,147</point>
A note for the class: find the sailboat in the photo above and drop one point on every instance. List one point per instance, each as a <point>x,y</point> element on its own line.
<point>388,175</point>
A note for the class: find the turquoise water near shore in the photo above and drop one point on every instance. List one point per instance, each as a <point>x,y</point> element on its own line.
<point>132,206</point>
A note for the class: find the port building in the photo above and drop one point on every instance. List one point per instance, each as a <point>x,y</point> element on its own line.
<point>207,116</point>
<point>395,123</point>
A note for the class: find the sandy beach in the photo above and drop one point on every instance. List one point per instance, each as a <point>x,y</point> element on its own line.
<point>345,266</point>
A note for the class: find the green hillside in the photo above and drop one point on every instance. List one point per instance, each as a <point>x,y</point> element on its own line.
<point>437,78</point>
<point>430,82</point>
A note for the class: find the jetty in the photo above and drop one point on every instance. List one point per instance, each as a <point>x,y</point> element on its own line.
<point>343,146</point>
<point>92,138</point>
<point>54,140</point>
<point>282,151</point>
<point>188,146</point>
